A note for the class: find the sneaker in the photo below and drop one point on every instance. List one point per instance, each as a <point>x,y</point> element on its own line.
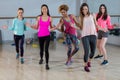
<point>47,67</point>
<point>105,62</point>
<point>71,61</point>
<point>86,68</point>
<point>89,64</point>
<point>41,61</point>
<point>98,56</point>
<point>17,56</point>
<point>22,60</point>
<point>68,63</point>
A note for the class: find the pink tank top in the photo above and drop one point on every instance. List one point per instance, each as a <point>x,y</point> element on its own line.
<point>43,29</point>
<point>68,28</point>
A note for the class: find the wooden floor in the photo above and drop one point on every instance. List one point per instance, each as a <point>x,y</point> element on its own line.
<point>12,69</point>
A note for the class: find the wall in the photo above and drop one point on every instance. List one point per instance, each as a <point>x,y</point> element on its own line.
<point>9,8</point>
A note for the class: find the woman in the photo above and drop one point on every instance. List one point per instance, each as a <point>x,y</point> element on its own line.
<point>18,27</point>
<point>67,24</point>
<point>43,23</point>
<point>104,21</point>
<point>88,35</point>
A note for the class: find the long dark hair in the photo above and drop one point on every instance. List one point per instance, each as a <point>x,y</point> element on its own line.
<point>81,13</point>
<point>47,9</point>
<point>100,12</point>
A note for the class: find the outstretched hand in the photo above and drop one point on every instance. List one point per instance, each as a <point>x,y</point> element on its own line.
<point>4,27</point>
<point>117,25</point>
<point>28,24</point>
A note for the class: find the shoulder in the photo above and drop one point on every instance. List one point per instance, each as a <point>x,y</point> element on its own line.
<point>93,15</point>
<point>108,16</point>
<point>50,18</point>
<point>38,18</point>
<point>72,15</point>
<point>61,20</point>
<point>15,19</point>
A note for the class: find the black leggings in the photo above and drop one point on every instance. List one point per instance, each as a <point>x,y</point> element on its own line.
<point>19,42</point>
<point>89,45</point>
<point>44,41</point>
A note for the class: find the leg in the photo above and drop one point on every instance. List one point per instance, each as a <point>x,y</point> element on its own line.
<point>98,46</point>
<point>47,51</point>
<point>16,39</point>
<point>41,44</point>
<point>103,43</point>
<point>21,46</point>
<point>76,46</point>
<point>100,34</point>
<point>92,47</point>
<point>102,46</point>
<point>69,45</point>
<point>85,41</point>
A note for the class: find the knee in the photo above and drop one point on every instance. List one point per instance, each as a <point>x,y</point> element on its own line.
<point>76,49</point>
<point>46,51</point>
<point>98,46</point>
<point>69,48</point>
<point>21,47</point>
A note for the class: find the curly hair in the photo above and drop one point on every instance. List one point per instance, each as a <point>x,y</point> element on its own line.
<point>63,7</point>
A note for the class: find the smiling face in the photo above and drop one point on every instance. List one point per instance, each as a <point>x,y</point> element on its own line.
<point>102,9</point>
<point>20,12</point>
<point>44,10</point>
<point>63,13</point>
<point>85,10</point>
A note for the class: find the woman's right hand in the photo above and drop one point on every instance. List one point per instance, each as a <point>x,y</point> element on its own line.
<point>4,27</point>
<point>103,29</point>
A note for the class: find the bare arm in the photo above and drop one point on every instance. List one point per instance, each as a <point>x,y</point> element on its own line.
<point>52,27</point>
<point>76,22</point>
<point>60,25</point>
<point>36,25</point>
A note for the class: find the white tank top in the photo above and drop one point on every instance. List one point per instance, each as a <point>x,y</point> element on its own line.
<point>88,26</point>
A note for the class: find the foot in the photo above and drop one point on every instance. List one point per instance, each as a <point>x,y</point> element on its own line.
<point>98,56</point>
<point>89,64</point>
<point>86,68</point>
<point>41,61</point>
<point>22,60</point>
<point>68,63</point>
<point>105,62</point>
<point>71,61</point>
<point>17,56</point>
<point>47,67</point>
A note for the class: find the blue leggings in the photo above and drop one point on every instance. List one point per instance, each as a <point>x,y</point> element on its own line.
<point>71,39</point>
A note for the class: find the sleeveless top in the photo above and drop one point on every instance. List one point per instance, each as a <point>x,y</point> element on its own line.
<point>44,26</point>
<point>69,29</point>
<point>88,26</point>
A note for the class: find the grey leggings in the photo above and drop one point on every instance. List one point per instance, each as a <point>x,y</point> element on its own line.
<point>89,45</point>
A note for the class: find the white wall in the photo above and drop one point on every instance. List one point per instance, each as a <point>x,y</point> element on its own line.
<point>112,5</point>
<point>9,8</point>
<point>32,7</point>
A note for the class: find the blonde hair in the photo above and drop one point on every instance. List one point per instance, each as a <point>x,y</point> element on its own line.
<point>63,7</point>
